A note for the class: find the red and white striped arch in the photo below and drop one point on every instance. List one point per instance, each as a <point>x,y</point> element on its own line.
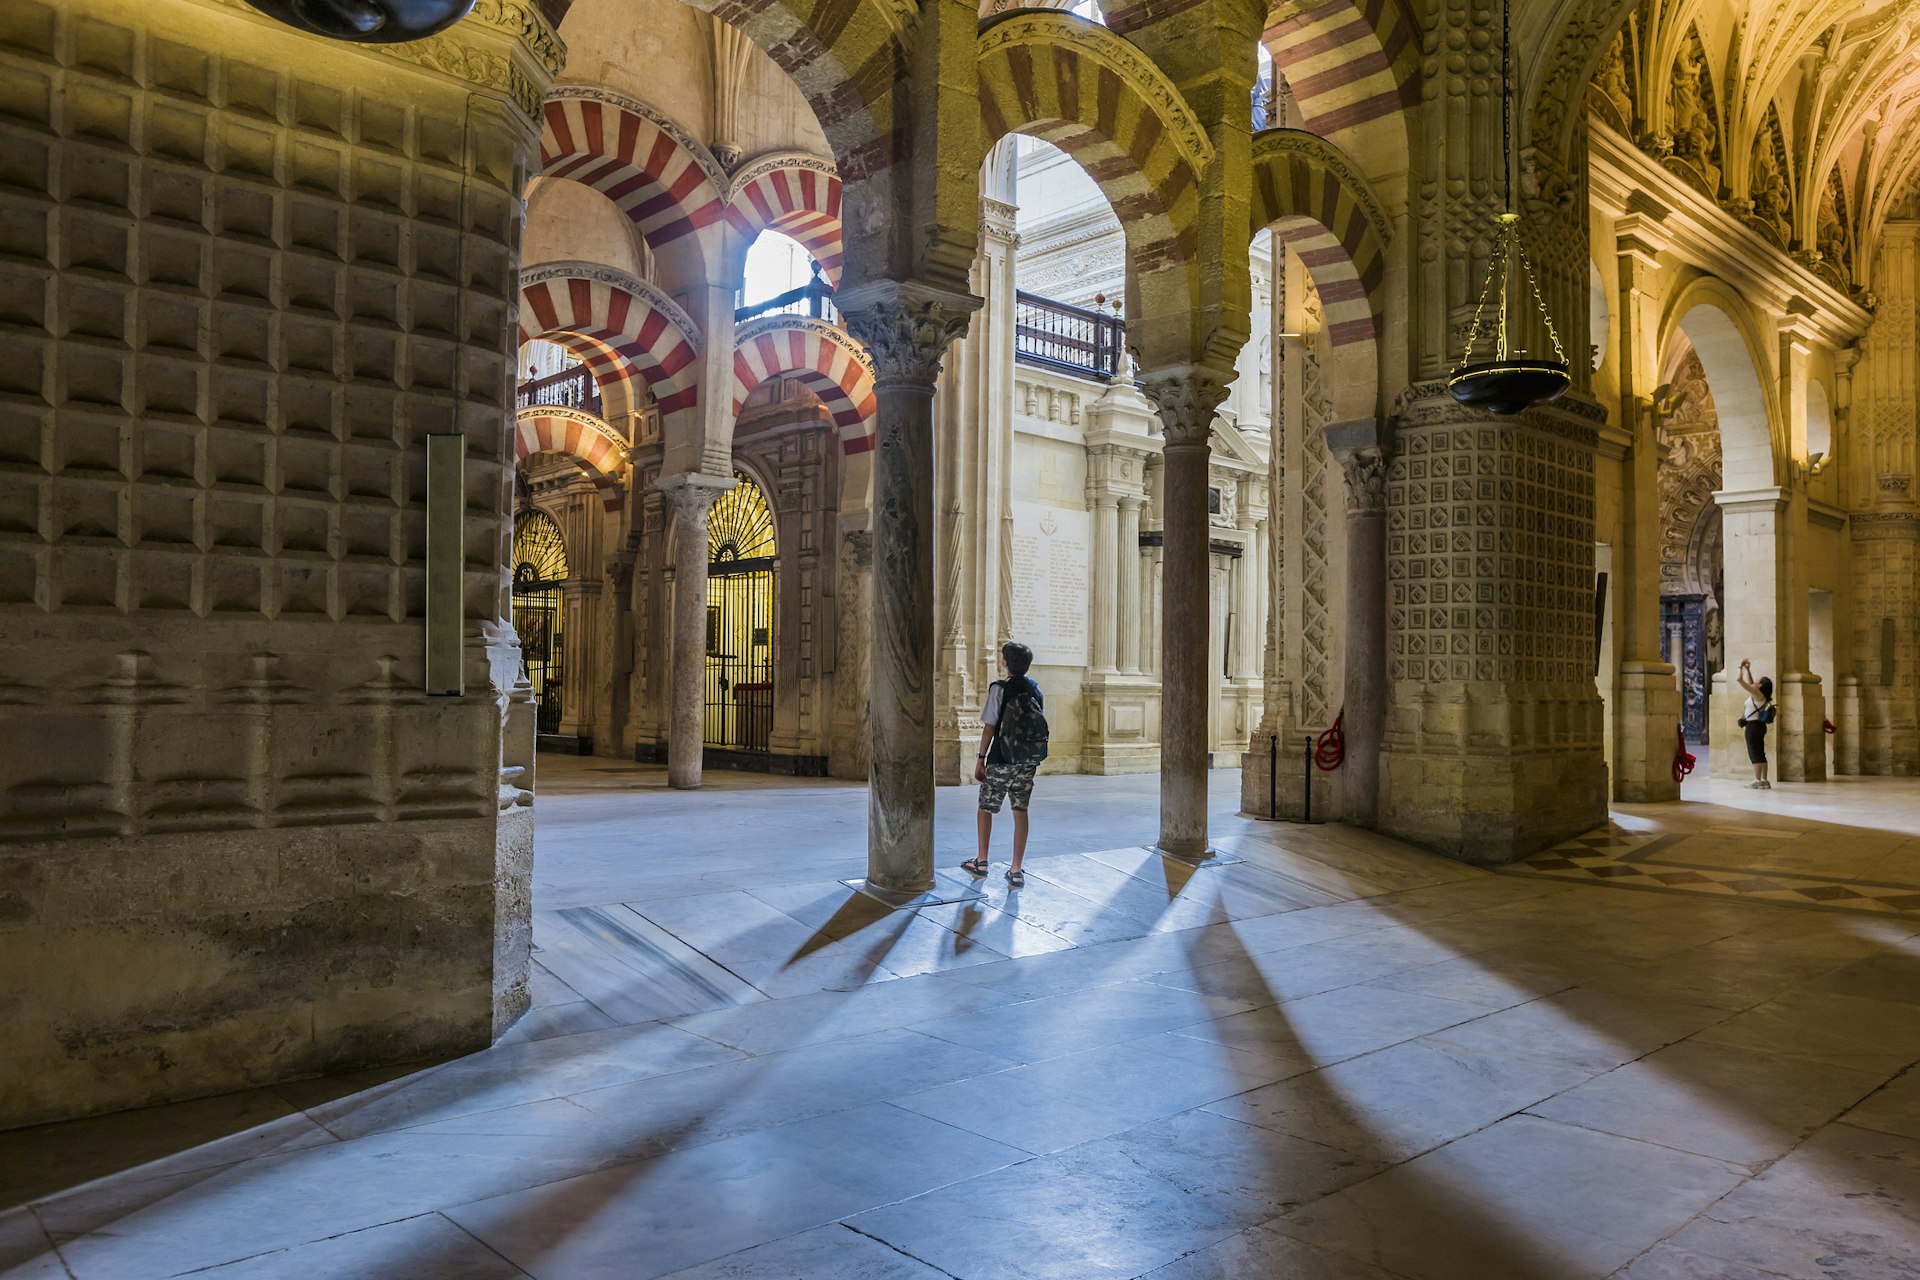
<point>797,195</point>
<point>660,176</point>
<point>589,442</point>
<point>819,355</point>
<point>1348,62</point>
<point>630,327</point>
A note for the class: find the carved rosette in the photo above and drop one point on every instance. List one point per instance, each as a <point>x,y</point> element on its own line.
<point>1187,401</point>
<point>906,328</point>
<point>1365,471</point>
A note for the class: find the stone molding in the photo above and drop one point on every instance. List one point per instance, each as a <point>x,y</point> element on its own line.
<point>599,426</point>
<point>778,322</point>
<point>1365,473</point>
<point>906,327</point>
<point>1186,400</point>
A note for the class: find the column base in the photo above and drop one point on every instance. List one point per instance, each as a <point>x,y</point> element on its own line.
<point>1287,802</point>
<point>1118,711</point>
<point>1646,715</point>
<point>1489,809</point>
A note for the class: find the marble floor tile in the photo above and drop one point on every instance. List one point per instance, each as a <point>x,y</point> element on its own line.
<point>26,1251</point>
<point>1524,1200</point>
<point>773,1025</point>
<point>545,1021</point>
<point>1894,1109</point>
<point>182,1137</point>
<point>1665,1262</point>
<point>1590,1029</point>
<point>410,1249</point>
<point>765,946</point>
<point>1051,1027</point>
<point>1039,918</point>
<point>629,967</point>
<point>1336,1024</point>
<point>1158,1192</point>
<point>503,1076</point>
<point>1314,967</point>
<point>1179,903</point>
<point>1398,1102</point>
<point>1846,1203</point>
<point>654,1217</point>
<point>931,940</point>
<point>1265,1252</point>
<point>835,1250</point>
<point>1886,975</point>
<point>1742,1107</point>
<point>1821,1026</point>
<point>1048,1105</point>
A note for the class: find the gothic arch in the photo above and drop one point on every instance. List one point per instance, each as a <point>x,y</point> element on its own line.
<point>1091,93</point>
<point>659,175</point>
<point>1714,319</point>
<point>797,195</point>
<point>623,327</point>
<point>586,440</point>
<point>1316,202</point>
<point>819,355</point>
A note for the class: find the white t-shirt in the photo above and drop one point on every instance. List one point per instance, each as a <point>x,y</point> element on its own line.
<point>1752,710</point>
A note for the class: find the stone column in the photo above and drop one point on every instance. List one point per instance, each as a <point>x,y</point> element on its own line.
<point>1106,539</point>
<point>692,498</point>
<point>1128,650</point>
<point>1752,522</point>
<point>1186,399</point>
<point>1356,446</point>
<point>906,327</point>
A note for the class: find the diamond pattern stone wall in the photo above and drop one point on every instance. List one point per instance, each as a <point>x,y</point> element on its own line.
<point>243,274</point>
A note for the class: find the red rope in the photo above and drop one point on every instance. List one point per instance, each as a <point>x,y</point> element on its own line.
<point>1330,750</point>
<point>1682,758</point>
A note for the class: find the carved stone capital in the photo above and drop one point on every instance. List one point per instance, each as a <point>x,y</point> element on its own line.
<point>1365,471</point>
<point>859,548</point>
<point>906,327</point>
<point>692,495</point>
<point>1187,401</point>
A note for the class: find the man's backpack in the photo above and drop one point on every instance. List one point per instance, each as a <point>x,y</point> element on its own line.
<point>1022,732</point>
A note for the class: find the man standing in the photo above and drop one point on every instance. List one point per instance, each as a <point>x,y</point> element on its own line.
<point>1013,742</point>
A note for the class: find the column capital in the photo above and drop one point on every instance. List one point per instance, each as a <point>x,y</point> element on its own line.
<point>1187,399</point>
<point>1365,471</point>
<point>906,326</point>
<point>692,493</point>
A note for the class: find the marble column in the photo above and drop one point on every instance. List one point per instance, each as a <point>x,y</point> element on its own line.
<point>1106,552</point>
<point>1186,399</point>
<point>1363,466</point>
<point>906,327</point>
<point>691,496</point>
<point>1128,649</point>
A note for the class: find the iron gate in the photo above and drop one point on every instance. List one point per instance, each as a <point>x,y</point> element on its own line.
<point>739,692</point>
<point>539,566</point>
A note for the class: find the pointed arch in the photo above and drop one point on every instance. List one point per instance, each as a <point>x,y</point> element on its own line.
<point>623,327</point>
<point>822,357</point>
<point>1314,198</point>
<point>659,175</point>
<point>587,441</point>
<point>797,195</point>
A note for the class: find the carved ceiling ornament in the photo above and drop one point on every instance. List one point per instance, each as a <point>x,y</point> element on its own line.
<point>1694,119</point>
<point>1687,431</point>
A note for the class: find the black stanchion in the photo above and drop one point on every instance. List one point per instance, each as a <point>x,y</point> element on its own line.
<point>1306,782</point>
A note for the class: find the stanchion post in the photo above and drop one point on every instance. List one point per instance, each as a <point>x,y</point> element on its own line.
<point>1306,782</point>
<point>1273,777</point>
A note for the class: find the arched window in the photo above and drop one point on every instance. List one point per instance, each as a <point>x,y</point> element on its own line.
<point>740,552</point>
<point>776,265</point>
<point>539,566</point>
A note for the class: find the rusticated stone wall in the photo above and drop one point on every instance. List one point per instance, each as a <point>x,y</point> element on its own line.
<point>245,273</point>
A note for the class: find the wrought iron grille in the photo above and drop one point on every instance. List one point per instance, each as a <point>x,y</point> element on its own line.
<point>741,555</point>
<point>1066,338</point>
<point>571,388</point>
<point>814,299</point>
<point>539,566</point>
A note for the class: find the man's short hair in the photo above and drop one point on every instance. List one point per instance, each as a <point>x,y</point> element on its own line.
<point>1017,657</point>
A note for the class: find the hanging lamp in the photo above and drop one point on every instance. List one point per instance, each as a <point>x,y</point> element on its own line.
<point>1509,380</point>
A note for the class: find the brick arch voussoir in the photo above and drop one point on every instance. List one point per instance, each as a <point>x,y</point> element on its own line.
<point>1349,63</point>
<point>644,328</point>
<point>796,195</point>
<point>1316,200</point>
<point>823,357</point>
<point>589,442</point>
<point>660,176</point>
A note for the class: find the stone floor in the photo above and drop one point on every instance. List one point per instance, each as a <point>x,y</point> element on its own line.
<point>1333,1058</point>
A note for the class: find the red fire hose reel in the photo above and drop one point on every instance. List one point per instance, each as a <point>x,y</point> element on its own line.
<point>1683,760</point>
<point>1330,750</point>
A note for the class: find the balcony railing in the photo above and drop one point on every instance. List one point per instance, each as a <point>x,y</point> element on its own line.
<point>1068,339</point>
<point>571,388</point>
<point>813,299</point>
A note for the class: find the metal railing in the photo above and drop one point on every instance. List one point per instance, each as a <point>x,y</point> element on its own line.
<point>571,388</point>
<point>813,299</point>
<point>1069,339</point>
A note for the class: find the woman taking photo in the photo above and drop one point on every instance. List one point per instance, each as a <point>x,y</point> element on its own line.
<point>1754,718</point>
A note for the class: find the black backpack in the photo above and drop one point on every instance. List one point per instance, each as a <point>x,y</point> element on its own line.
<point>1022,733</point>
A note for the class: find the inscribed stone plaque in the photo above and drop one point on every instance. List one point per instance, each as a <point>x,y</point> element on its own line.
<point>1051,558</point>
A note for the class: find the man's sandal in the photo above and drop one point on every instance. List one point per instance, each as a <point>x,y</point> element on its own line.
<point>1018,879</point>
<point>975,867</point>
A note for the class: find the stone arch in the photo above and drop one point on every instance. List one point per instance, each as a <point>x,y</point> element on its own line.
<point>626,325</point>
<point>1353,67</point>
<point>1093,94</point>
<point>1571,42</point>
<point>797,195</point>
<point>1316,202</point>
<point>587,441</point>
<point>660,176</point>
<point>822,357</point>
<point>1712,317</point>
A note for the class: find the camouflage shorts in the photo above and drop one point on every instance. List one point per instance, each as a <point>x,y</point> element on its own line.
<point>1004,782</point>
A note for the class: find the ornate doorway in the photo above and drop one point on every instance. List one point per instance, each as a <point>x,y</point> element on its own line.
<point>740,549</point>
<point>539,566</point>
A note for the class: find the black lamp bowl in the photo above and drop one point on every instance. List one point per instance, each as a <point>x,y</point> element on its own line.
<point>1508,386</point>
<point>367,21</point>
